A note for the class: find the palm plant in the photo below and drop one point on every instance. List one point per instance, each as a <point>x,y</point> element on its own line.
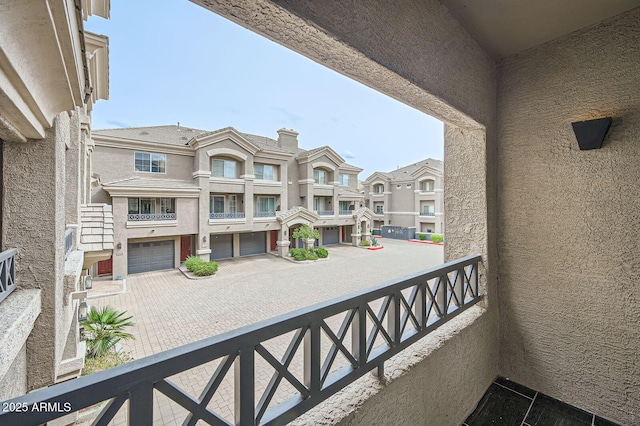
<point>104,328</point>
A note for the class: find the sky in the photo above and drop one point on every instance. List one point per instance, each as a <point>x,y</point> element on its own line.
<point>182,63</point>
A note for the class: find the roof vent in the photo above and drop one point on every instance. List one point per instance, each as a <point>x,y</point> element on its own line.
<point>144,132</point>
<point>184,138</point>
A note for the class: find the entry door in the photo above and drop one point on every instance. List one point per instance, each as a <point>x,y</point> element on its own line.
<point>274,240</point>
<point>185,247</point>
<point>105,267</point>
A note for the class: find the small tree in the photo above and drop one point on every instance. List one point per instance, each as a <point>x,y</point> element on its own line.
<point>104,328</point>
<point>306,232</point>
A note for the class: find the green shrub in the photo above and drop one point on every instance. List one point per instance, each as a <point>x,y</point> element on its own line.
<point>374,242</point>
<point>322,252</point>
<point>365,243</point>
<point>193,262</point>
<point>108,360</point>
<point>311,255</point>
<point>300,256</point>
<point>104,328</point>
<point>423,237</point>
<point>206,269</point>
<point>295,251</point>
<point>437,238</point>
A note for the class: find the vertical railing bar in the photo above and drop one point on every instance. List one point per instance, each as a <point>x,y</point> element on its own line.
<point>141,405</point>
<point>474,275</point>
<point>458,286</point>
<point>441,295</point>
<point>359,335</point>
<point>421,305</point>
<point>244,389</point>
<point>312,378</point>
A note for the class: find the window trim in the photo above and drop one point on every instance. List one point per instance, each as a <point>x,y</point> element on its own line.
<point>151,159</point>
<point>263,165</point>
<point>225,160</point>
<point>345,175</point>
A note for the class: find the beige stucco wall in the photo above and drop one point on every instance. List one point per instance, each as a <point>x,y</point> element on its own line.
<point>569,231</point>
<point>384,45</point>
<point>118,163</point>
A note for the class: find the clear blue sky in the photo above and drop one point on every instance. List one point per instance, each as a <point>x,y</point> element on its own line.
<point>181,63</point>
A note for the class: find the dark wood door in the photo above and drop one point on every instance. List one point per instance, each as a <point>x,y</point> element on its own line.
<point>185,247</point>
<point>274,239</point>
<point>105,267</point>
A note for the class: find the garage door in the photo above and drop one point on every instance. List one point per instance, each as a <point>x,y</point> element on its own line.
<point>330,235</point>
<point>150,256</point>
<point>221,246</point>
<point>253,243</point>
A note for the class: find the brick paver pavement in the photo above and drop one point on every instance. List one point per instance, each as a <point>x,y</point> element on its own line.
<point>170,310</point>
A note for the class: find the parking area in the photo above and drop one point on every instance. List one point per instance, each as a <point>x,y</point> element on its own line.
<point>171,310</point>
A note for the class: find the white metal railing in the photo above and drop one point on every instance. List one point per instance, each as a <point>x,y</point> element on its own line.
<point>151,216</point>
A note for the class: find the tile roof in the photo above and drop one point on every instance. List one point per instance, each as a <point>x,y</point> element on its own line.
<point>406,171</point>
<point>135,182</point>
<point>167,135</point>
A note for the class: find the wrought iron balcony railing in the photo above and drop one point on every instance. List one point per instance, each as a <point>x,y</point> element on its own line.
<point>68,241</point>
<point>427,213</point>
<point>345,212</point>
<point>363,330</point>
<point>264,214</point>
<point>325,212</point>
<point>7,272</point>
<point>236,215</point>
<point>151,216</point>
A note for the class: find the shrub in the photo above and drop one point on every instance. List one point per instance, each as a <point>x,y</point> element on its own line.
<point>108,360</point>
<point>423,237</point>
<point>374,242</point>
<point>437,238</point>
<point>365,243</point>
<point>206,269</point>
<point>311,255</point>
<point>294,252</point>
<point>300,256</point>
<point>322,252</point>
<point>104,328</point>
<point>193,262</point>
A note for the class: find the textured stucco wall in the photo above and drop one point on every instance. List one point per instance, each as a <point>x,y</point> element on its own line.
<point>416,52</point>
<point>569,220</point>
<point>34,183</point>
<point>14,382</point>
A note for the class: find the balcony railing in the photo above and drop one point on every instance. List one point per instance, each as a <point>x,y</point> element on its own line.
<point>7,272</point>
<point>345,212</point>
<point>264,214</point>
<point>373,326</point>
<point>427,213</point>
<point>68,241</point>
<point>325,212</point>
<point>236,215</point>
<point>151,216</point>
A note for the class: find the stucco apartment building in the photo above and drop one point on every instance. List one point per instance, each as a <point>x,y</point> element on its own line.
<point>178,191</point>
<point>410,196</point>
<point>52,72</point>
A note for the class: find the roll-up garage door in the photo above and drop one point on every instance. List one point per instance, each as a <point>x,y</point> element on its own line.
<point>330,235</point>
<point>253,243</point>
<point>150,256</point>
<point>221,246</point>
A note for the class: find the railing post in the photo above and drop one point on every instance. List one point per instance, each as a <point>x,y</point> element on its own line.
<point>473,281</point>
<point>441,295</point>
<point>244,387</point>
<point>421,305</point>
<point>141,405</point>
<point>359,335</point>
<point>312,358</point>
<point>393,318</point>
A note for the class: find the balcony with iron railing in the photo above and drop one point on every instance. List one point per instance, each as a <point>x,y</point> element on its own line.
<point>137,217</point>
<point>228,215</point>
<point>345,212</point>
<point>428,213</point>
<point>68,241</point>
<point>264,214</point>
<point>325,212</point>
<point>362,330</point>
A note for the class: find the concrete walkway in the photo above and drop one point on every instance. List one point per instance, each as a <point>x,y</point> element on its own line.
<point>170,310</point>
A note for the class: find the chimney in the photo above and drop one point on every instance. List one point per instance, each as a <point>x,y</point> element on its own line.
<point>288,140</point>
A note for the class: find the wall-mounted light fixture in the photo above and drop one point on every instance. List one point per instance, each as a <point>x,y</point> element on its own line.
<point>204,239</point>
<point>591,133</point>
<point>82,311</point>
<point>119,246</point>
<point>88,282</point>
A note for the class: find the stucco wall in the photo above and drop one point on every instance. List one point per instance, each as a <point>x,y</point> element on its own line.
<point>569,220</point>
<point>14,382</point>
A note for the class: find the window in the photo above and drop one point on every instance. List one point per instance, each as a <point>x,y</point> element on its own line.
<point>167,205</point>
<point>343,205</point>
<point>134,205</point>
<point>378,189</point>
<point>224,168</point>
<point>266,205</point>
<point>233,204</point>
<point>344,180</point>
<point>379,209</point>
<point>142,205</point>
<point>150,163</point>
<point>216,204</point>
<point>427,185</point>
<point>320,176</point>
<point>264,171</point>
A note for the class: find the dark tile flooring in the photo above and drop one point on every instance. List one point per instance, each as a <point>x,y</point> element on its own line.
<point>511,404</point>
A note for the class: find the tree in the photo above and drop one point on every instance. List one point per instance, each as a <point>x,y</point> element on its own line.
<point>306,233</point>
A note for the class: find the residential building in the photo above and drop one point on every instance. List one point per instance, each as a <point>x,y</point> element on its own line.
<point>52,73</point>
<point>410,197</point>
<point>558,315</point>
<point>178,191</point>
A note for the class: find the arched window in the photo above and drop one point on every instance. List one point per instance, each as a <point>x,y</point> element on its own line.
<point>427,185</point>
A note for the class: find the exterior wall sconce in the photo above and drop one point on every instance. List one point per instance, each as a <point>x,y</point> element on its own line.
<point>119,246</point>
<point>590,134</point>
<point>204,239</point>
<point>88,282</point>
<point>82,311</point>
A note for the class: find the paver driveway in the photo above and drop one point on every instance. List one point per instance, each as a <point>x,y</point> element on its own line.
<point>170,310</point>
